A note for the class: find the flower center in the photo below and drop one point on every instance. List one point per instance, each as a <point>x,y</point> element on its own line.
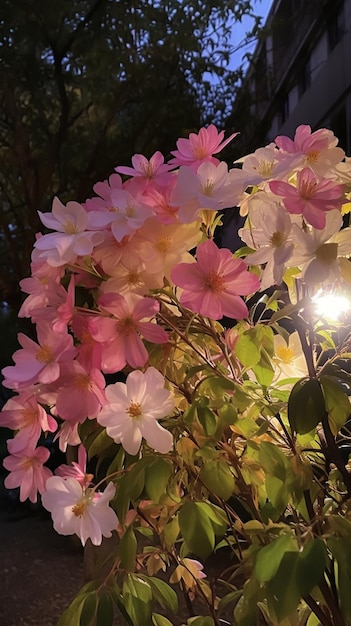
<point>79,508</point>
<point>70,228</point>
<point>312,157</point>
<point>327,253</point>
<point>285,354</point>
<point>134,410</point>
<point>307,189</point>
<point>44,354</point>
<point>214,282</point>
<point>29,416</point>
<point>134,278</point>
<point>278,239</point>
<point>81,382</point>
<point>126,326</point>
<point>164,245</point>
<point>199,152</point>
<point>130,210</point>
<point>207,188</point>
<point>265,168</point>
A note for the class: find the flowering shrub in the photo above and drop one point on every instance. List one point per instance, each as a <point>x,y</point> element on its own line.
<point>208,391</point>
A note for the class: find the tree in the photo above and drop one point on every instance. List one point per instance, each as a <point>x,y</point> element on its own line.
<point>87,85</point>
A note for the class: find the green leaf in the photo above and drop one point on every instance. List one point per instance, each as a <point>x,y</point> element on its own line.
<point>71,616</point>
<point>100,442</point>
<point>160,620</point>
<point>218,478</point>
<point>162,593</point>
<point>127,549</point>
<point>311,565</point>
<point>337,402</point>
<point>200,621</point>
<point>105,611</point>
<point>264,370</point>
<point>156,478</point>
<point>269,558</point>
<point>196,529</point>
<point>341,551</point>
<point>88,614</point>
<point>306,405</point>
<point>137,598</point>
<point>284,595</point>
<point>207,419</point>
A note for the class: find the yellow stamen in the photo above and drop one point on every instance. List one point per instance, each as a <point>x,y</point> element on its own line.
<point>134,410</point>
<point>285,354</point>
<point>214,282</point>
<point>278,239</point>
<point>44,354</point>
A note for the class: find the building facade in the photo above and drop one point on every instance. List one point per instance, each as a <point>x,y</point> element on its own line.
<point>300,73</point>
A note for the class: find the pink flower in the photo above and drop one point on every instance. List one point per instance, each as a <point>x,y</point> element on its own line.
<point>27,471</point>
<point>199,148</point>
<point>80,511</point>
<point>213,284</point>
<point>318,149</point>
<point>76,470</point>
<point>133,410</point>
<point>72,238</point>
<point>146,171</point>
<point>39,362</point>
<point>80,392</point>
<point>312,197</point>
<point>23,413</point>
<point>121,333</point>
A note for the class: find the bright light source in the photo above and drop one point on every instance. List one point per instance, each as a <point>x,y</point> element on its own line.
<point>331,305</point>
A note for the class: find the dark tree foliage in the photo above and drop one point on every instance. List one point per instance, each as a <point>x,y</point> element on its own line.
<point>85,84</point>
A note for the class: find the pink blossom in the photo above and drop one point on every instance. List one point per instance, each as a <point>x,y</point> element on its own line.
<point>77,470</point>
<point>72,238</point>
<point>133,410</point>
<point>23,413</point>
<point>27,471</point>
<point>123,213</point>
<point>80,392</point>
<point>212,286</point>
<point>121,333</point>
<point>200,147</point>
<point>67,435</point>
<point>317,149</point>
<point>81,511</point>
<point>211,187</point>
<point>147,172</point>
<point>311,198</point>
<point>39,362</point>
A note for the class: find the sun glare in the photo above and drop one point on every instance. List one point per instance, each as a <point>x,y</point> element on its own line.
<point>331,305</point>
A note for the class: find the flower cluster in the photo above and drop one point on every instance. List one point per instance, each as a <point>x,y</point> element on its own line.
<point>131,289</point>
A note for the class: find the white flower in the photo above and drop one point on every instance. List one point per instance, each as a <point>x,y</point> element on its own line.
<point>79,511</point>
<point>289,358</point>
<point>271,234</point>
<point>133,410</point>
<point>318,252</point>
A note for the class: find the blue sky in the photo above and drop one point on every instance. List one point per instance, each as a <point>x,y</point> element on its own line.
<point>261,8</point>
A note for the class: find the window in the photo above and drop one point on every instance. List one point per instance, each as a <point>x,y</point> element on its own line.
<point>335,24</point>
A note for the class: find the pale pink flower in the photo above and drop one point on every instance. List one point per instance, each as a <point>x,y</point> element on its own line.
<point>80,392</point>
<point>311,197</point>
<point>23,413</point>
<point>270,233</point>
<point>162,203</point>
<point>147,172</point>
<point>317,149</point>
<point>80,511</point>
<point>267,163</point>
<point>211,187</point>
<point>213,285</point>
<point>133,410</point>
<point>72,238</point>
<point>40,362</point>
<point>67,435</point>
<point>27,471</point>
<point>162,246</point>
<point>123,213</point>
<point>77,469</point>
<point>121,333</point>
<point>200,147</point>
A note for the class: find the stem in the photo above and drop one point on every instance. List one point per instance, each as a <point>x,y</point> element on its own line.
<point>317,610</point>
<point>333,453</point>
